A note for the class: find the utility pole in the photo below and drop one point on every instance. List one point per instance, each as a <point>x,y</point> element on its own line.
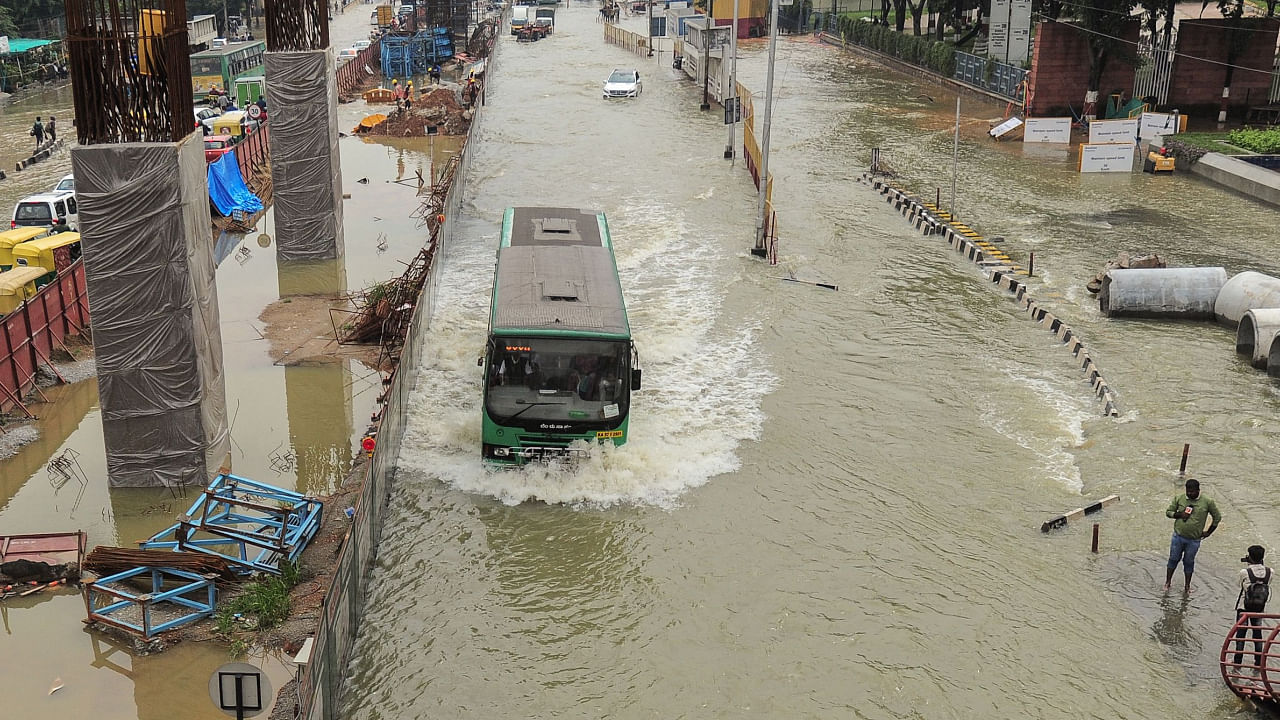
<point>706,58</point>
<point>955,160</point>
<point>226,22</point>
<point>649,5</point>
<point>733,83</point>
<point>759,249</point>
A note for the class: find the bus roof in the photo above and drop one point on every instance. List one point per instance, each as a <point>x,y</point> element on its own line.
<point>556,272</point>
<point>229,48</point>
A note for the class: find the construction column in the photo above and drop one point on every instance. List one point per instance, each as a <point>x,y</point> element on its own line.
<point>146,233</point>
<point>302,102</point>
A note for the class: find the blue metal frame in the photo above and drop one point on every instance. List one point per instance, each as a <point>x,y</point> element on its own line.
<point>108,614</point>
<point>238,514</point>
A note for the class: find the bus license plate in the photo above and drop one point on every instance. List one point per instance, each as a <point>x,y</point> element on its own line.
<point>609,434</point>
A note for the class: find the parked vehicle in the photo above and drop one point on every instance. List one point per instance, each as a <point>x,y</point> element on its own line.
<point>361,44</point>
<point>217,146</point>
<point>206,114</point>
<point>17,285</point>
<point>623,83</point>
<point>46,210</point>
<point>519,18</point>
<point>53,254</point>
<point>545,18</point>
<point>346,54</point>
<point>11,238</point>
<point>66,184</point>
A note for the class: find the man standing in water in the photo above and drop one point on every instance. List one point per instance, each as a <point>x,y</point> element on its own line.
<point>1189,512</point>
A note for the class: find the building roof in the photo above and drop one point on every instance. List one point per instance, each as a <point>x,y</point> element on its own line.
<point>21,45</point>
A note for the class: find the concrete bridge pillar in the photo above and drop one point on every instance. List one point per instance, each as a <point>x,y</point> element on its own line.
<point>146,234</point>
<point>302,103</point>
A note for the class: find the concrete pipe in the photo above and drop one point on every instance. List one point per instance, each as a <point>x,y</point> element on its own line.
<point>1254,336</point>
<point>1246,291</point>
<point>1273,357</point>
<point>1187,293</point>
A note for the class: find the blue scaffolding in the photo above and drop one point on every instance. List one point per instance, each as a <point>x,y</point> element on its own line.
<point>410,55</point>
<point>113,602</point>
<point>251,525</point>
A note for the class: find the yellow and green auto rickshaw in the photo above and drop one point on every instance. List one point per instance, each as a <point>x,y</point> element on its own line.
<point>54,253</point>
<point>10,238</point>
<point>17,285</point>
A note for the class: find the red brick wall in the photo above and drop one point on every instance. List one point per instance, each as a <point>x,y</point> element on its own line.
<point>1060,70</point>
<point>1196,86</point>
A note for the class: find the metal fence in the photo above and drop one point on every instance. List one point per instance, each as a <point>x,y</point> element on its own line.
<point>635,42</point>
<point>1274,97</point>
<point>30,334</point>
<point>1154,70</point>
<point>254,151</point>
<point>995,77</point>
<point>320,689</point>
<point>350,75</point>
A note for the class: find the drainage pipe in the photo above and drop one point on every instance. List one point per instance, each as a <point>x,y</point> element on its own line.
<point>1161,292</point>
<point>1255,335</point>
<point>1246,291</point>
<point>1273,357</point>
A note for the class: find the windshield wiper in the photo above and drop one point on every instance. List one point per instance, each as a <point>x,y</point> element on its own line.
<point>533,404</point>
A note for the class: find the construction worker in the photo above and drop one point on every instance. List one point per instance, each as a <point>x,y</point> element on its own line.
<point>397,91</point>
<point>408,96</point>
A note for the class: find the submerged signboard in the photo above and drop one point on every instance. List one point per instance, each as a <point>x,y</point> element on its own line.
<point>1106,157</point>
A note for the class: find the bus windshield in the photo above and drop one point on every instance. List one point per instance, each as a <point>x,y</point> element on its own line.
<point>557,379</point>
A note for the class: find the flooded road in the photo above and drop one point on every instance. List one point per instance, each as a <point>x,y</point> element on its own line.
<point>830,502</point>
<point>295,426</point>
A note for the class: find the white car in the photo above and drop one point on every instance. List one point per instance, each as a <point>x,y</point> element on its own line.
<point>46,210</point>
<point>347,54</point>
<point>360,44</point>
<point>66,184</point>
<point>623,83</point>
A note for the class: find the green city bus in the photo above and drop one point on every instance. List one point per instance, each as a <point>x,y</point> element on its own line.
<point>218,68</point>
<point>559,363</point>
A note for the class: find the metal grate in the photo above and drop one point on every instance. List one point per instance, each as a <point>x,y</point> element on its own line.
<point>1155,68</point>
<point>297,25</point>
<point>129,70</point>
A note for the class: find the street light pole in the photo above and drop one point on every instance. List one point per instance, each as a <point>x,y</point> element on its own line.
<point>759,249</point>
<point>733,83</point>
<point>706,58</point>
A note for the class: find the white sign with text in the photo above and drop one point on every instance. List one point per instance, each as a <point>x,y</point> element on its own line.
<point>1107,157</point>
<point>1157,124</point>
<point>1004,128</point>
<point>1113,131</point>
<point>1047,130</point>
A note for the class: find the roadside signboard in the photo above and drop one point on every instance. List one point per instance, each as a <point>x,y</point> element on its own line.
<point>240,690</point>
<point>1107,157</point>
<point>1047,130</point>
<point>1005,127</point>
<point>732,110</point>
<point>1113,131</point>
<point>1158,124</point>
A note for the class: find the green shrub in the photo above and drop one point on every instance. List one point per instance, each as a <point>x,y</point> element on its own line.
<point>1266,142</point>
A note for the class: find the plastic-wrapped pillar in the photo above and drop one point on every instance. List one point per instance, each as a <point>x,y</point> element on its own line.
<point>305,169</point>
<point>1243,292</point>
<point>1161,292</point>
<point>1255,334</point>
<point>146,233</point>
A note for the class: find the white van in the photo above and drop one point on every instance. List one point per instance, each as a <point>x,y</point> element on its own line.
<point>46,210</point>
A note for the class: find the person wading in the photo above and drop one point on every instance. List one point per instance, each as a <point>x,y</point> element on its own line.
<point>1189,511</point>
<point>37,132</point>
<point>51,128</point>
<point>1255,590</point>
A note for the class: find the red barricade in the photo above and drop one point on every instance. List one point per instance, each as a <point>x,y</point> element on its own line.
<point>30,334</point>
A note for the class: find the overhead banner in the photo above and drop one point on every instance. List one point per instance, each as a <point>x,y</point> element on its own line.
<point>1113,131</point>
<point>1107,157</point>
<point>1047,130</point>
<point>1156,124</point>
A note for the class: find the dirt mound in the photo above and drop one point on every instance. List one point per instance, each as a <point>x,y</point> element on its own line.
<point>435,106</point>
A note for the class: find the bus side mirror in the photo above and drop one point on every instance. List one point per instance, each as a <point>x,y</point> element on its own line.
<point>635,379</point>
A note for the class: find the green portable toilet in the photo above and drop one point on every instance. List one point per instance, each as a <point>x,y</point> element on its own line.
<point>249,88</point>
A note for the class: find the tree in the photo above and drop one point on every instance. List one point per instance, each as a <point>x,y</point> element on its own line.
<point>917,9</point>
<point>23,15</point>
<point>899,15</point>
<point>944,10</point>
<point>6,22</point>
<point>1236,41</point>
<point>1103,23</point>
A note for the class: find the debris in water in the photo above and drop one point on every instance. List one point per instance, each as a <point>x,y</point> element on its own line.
<point>57,685</point>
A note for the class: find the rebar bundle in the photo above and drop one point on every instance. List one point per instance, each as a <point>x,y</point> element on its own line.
<point>297,25</point>
<point>129,70</point>
<point>105,560</point>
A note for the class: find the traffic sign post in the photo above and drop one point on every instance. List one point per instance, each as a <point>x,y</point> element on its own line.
<point>240,690</point>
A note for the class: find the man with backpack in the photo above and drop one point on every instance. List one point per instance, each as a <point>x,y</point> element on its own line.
<point>1189,512</point>
<point>1255,590</point>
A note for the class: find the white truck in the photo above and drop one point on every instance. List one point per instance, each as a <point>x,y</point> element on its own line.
<point>519,18</point>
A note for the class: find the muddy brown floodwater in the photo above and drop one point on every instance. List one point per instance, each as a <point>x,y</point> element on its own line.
<point>295,425</point>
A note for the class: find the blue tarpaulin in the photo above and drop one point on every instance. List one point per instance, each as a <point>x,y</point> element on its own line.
<point>227,189</point>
